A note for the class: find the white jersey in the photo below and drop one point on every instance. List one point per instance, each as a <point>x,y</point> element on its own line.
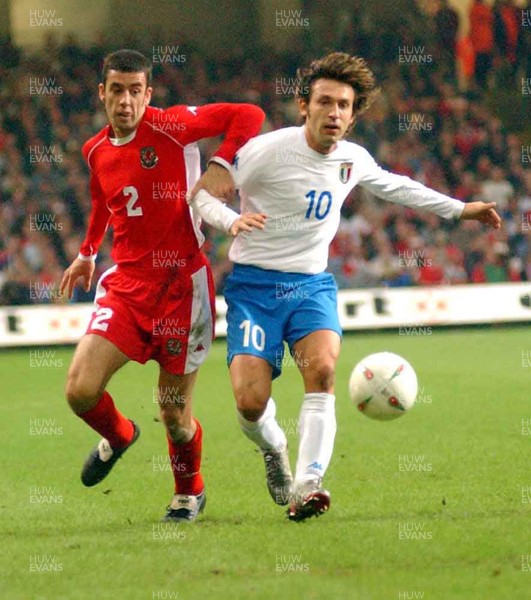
<point>301,192</point>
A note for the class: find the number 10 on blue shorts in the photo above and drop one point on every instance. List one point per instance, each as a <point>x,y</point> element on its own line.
<point>266,308</point>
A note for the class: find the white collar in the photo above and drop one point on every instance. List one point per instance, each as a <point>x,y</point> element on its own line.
<point>124,140</point>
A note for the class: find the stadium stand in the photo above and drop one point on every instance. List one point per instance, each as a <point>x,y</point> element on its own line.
<point>423,125</point>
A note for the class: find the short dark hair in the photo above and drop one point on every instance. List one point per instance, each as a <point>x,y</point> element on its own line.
<point>126,61</point>
<point>340,66</point>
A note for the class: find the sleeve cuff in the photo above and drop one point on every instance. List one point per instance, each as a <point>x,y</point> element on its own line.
<point>87,258</point>
<point>459,207</point>
<point>220,161</point>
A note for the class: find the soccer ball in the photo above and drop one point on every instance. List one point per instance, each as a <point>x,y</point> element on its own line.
<point>383,386</point>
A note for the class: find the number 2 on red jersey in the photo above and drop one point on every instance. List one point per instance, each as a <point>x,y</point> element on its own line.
<point>132,211</point>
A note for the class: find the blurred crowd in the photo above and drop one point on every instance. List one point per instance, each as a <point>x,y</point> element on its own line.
<point>425,124</point>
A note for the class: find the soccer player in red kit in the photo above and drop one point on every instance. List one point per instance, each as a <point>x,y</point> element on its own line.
<point>157,302</point>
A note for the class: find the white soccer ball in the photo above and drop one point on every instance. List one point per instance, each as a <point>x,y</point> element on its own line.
<point>383,386</point>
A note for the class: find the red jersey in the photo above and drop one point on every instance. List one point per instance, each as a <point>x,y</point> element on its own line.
<point>139,183</point>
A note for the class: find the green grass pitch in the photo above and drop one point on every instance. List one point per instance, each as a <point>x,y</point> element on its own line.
<point>435,505</point>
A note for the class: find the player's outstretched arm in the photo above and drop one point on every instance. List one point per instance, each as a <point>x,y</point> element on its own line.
<point>79,268</point>
<point>406,191</point>
<point>483,212</point>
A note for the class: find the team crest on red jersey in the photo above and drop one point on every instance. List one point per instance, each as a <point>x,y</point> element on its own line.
<point>174,346</point>
<point>345,171</point>
<point>148,157</point>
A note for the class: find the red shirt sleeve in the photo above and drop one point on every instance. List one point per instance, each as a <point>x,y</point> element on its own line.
<point>99,217</point>
<point>239,123</point>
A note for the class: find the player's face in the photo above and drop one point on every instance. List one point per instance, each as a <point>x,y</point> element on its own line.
<point>329,114</point>
<point>125,96</point>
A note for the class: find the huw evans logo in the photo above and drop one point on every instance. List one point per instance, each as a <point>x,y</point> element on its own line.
<point>413,463</point>
<point>44,292</point>
<point>291,18</point>
<point>164,463</point>
<point>167,532</point>
<point>44,563</point>
<point>44,427</point>
<point>287,87</point>
<point>414,122</point>
<point>166,327</point>
<point>413,259</point>
<point>44,86</point>
<point>44,18</point>
<point>44,358</point>
<point>291,563</point>
<point>164,259</point>
<point>291,223</point>
<point>168,55</point>
<point>44,495</point>
<point>44,222</point>
<point>414,55</point>
<point>45,154</point>
<point>414,531</point>
<point>168,190</point>
<point>290,291</point>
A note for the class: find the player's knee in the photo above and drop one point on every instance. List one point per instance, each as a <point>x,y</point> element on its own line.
<point>322,374</point>
<point>250,403</point>
<point>251,414</point>
<point>81,394</point>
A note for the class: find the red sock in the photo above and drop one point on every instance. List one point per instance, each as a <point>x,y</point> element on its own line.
<point>185,462</point>
<point>109,422</point>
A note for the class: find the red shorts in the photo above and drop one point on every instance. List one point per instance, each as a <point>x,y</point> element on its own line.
<point>165,315</point>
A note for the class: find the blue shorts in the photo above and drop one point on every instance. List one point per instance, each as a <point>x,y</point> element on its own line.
<point>266,308</point>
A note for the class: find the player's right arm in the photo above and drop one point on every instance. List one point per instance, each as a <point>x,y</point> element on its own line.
<point>247,166</point>
<point>237,122</point>
<point>83,265</point>
<point>214,212</point>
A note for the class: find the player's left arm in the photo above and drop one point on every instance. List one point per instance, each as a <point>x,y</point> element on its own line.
<point>404,190</point>
<point>238,123</point>
<point>483,212</point>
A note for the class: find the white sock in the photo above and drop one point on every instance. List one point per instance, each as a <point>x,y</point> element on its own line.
<point>266,432</point>
<point>317,430</point>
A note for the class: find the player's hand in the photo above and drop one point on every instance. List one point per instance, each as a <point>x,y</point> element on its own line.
<point>247,222</point>
<point>217,181</point>
<point>79,268</point>
<point>483,212</point>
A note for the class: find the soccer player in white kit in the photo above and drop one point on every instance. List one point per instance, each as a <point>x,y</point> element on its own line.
<point>298,178</point>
